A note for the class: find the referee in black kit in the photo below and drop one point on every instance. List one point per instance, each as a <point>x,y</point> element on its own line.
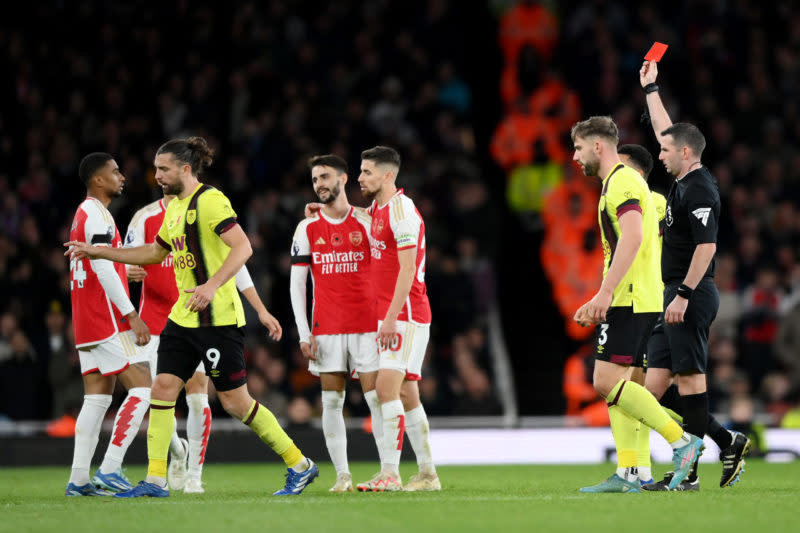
<point>691,299</point>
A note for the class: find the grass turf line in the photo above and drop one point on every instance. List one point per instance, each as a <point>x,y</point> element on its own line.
<point>475,498</point>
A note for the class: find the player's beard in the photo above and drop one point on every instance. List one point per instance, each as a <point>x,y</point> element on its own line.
<point>332,194</point>
<point>368,194</point>
<point>173,189</point>
<point>591,168</point>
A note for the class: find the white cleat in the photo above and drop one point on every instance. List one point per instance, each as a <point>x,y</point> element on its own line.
<point>382,482</point>
<point>423,482</point>
<point>177,472</point>
<point>344,483</point>
<point>193,486</point>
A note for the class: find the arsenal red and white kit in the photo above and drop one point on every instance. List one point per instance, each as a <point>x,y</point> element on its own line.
<point>159,290</point>
<point>398,226</point>
<point>343,317</point>
<point>338,254</point>
<point>95,319</point>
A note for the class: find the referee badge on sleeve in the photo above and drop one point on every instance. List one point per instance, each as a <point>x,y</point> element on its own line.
<point>191,216</point>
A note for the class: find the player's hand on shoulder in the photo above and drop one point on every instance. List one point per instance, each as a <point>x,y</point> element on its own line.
<point>139,328</point>
<point>312,209</point>
<point>272,324</point>
<point>136,273</point>
<point>309,349</point>
<point>648,73</point>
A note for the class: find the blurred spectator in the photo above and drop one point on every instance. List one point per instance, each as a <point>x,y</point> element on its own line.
<point>20,375</point>
<point>64,370</point>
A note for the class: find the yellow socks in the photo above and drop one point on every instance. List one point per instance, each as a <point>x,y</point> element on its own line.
<point>159,433</point>
<point>636,401</point>
<point>623,427</point>
<point>266,426</point>
<point>643,451</point>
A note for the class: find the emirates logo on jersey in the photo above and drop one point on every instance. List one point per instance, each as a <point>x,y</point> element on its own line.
<point>356,237</point>
<point>336,239</point>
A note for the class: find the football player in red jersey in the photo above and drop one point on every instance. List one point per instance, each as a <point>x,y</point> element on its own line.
<point>334,246</point>
<point>107,332</point>
<point>397,245</point>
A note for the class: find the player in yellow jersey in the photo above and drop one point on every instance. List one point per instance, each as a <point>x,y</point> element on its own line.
<point>206,322</point>
<point>627,305</point>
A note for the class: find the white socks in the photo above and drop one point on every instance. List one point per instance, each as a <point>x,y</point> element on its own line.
<point>334,430</point>
<point>87,433</point>
<point>198,428</point>
<point>418,431</point>
<point>393,428</point>
<point>377,420</point>
<point>126,426</point>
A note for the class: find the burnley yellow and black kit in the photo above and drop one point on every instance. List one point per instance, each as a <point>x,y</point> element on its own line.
<point>638,299</point>
<point>192,230</point>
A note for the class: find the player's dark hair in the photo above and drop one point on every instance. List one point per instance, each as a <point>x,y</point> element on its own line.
<point>596,127</point>
<point>328,160</point>
<point>91,163</point>
<point>382,155</point>
<point>687,135</point>
<point>193,151</point>
<point>640,157</point>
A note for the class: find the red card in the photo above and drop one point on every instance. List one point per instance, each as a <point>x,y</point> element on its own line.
<point>656,52</point>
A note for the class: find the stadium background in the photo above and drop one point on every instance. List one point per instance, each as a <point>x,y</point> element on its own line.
<point>478,97</point>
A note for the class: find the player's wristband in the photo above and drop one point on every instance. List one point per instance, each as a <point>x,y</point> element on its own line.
<point>650,88</point>
<point>684,291</point>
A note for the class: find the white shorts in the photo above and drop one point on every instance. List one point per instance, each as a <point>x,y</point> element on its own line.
<point>350,351</point>
<point>152,356</point>
<point>407,354</point>
<point>114,355</point>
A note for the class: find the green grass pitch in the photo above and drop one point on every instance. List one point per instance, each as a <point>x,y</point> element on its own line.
<point>475,498</point>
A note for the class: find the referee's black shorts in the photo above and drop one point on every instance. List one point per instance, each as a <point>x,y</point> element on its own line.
<point>683,348</point>
<point>622,338</point>
<point>220,348</point>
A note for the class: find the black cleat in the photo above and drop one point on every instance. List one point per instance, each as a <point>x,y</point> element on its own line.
<point>732,459</point>
<point>663,485</point>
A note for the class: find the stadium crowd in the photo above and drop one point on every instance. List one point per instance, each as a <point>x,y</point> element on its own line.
<point>269,84</point>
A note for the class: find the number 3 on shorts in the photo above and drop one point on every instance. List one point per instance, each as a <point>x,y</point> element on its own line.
<point>213,357</point>
<point>603,337</point>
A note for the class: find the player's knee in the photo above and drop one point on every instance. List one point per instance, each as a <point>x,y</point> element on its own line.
<point>386,394</point>
<point>164,390</point>
<point>603,386</point>
<point>237,406</point>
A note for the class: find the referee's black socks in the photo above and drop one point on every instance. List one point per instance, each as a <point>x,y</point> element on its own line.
<point>695,413</point>
<point>672,400</point>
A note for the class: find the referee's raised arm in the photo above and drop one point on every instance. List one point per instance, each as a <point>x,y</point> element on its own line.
<point>659,118</point>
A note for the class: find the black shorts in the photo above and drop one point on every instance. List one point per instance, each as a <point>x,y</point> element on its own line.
<point>622,338</point>
<point>683,347</point>
<point>220,348</point>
